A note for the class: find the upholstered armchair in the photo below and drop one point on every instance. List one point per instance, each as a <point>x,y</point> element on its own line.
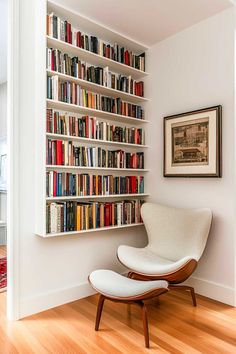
<point>176,241</point>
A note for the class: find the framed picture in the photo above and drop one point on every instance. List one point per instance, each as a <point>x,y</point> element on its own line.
<point>192,143</point>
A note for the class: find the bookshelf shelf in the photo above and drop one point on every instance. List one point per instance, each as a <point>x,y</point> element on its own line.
<point>95,141</point>
<point>59,167</point>
<point>54,214</point>
<point>93,112</point>
<point>99,88</point>
<point>96,59</point>
<point>92,197</point>
<point>74,233</point>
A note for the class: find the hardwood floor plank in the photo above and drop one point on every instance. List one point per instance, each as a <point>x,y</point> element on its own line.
<point>175,327</point>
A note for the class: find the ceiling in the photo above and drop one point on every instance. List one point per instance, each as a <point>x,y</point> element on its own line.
<point>148,21</point>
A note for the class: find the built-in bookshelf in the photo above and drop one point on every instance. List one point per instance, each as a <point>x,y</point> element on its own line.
<point>93,161</point>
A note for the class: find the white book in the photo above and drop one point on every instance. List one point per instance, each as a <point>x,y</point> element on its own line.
<point>51,25</point>
<point>51,184</point>
<point>66,153</point>
<point>62,31</point>
<point>105,76</point>
<point>74,35</point>
<point>53,217</point>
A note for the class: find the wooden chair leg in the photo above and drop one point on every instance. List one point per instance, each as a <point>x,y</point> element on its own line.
<point>99,311</point>
<point>145,323</point>
<point>185,288</point>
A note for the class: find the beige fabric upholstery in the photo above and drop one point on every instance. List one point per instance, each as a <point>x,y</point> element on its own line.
<point>113,284</point>
<point>175,236</point>
<point>143,260</point>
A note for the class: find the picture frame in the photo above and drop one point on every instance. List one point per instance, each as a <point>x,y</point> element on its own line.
<point>193,143</point>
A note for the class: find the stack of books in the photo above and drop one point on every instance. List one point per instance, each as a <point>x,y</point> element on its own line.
<point>72,66</point>
<point>74,216</point>
<point>92,128</point>
<point>68,153</point>
<point>60,184</point>
<point>63,30</point>
<point>70,92</point>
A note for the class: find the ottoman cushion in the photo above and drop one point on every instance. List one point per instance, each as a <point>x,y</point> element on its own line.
<point>113,284</point>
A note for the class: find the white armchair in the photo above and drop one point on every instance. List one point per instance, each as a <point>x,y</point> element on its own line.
<point>176,241</point>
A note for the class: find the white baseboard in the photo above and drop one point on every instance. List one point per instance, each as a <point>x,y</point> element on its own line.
<point>46,301</point>
<point>42,302</point>
<point>213,290</point>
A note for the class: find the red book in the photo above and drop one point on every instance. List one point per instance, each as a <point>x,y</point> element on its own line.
<point>59,152</point>
<point>78,40</point>
<point>68,32</point>
<point>133,184</point>
<point>127,57</point>
<point>106,214</point>
<point>54,184</point>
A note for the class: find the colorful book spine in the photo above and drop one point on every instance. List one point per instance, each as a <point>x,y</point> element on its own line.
<point>76,216</point>
<point>63,184</point>
<point>62,63</point>
<point>70,92</point>
<point>63,30</point>
<point>92,128</point>
<point>68,153</point>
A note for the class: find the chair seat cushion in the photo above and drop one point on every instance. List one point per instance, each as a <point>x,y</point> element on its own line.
<point>145,261</point>
<point>113,284</point>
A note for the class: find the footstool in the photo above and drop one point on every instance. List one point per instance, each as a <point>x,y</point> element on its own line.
<point>115,287</point>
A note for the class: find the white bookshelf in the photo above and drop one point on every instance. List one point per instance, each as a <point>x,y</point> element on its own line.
<point>90,27</point>
<point>84,168</point>
<point>68,107</point>
<point>71,233</point>
<point>96,141</point>
<point>95,197</point>
<point>95,59</point>
<point>106,91</point>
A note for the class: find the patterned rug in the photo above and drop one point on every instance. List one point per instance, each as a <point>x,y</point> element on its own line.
<point>3,273</point>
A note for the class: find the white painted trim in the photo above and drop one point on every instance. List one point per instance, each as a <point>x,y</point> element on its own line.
<point>215,291</point>
<point>45,301</point>
<point>13,160</point>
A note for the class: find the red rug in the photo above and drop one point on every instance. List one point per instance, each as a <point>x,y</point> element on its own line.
<point>3,273</point>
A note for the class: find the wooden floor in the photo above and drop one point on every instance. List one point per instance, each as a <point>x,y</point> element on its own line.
<point>175,327</point>
<point>3,251</point>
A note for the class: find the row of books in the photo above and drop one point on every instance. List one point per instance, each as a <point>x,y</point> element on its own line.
<point>74,216</point>
<point>72,66</point>
<point>68,153</point>
<point>70,92</point>
<point>60,184</point>
<point>91,128</point>
<point>64,31</point>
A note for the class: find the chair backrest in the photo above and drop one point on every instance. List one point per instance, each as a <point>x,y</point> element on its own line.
<point>176,233</point>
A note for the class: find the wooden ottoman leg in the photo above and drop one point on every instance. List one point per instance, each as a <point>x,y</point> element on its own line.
<point>145,322</point>
<point>99,311</point>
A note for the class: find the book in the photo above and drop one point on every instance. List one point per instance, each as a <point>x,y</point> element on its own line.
<point>69,153</point>
<point>61,184</point>
<point>77,216</point>
<point>70,92</point>
<point>61,29</point>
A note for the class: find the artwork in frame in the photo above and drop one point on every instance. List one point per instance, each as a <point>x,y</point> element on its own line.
<point>192,143</point>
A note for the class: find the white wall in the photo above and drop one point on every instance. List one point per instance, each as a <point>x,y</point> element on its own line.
<point>192,70</point>
<point>3,147</point>
<point>51,271</point>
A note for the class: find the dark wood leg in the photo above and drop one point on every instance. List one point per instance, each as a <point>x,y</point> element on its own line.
<point>145,322</point>
<point>185,288</point>
<point>99,311</point>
